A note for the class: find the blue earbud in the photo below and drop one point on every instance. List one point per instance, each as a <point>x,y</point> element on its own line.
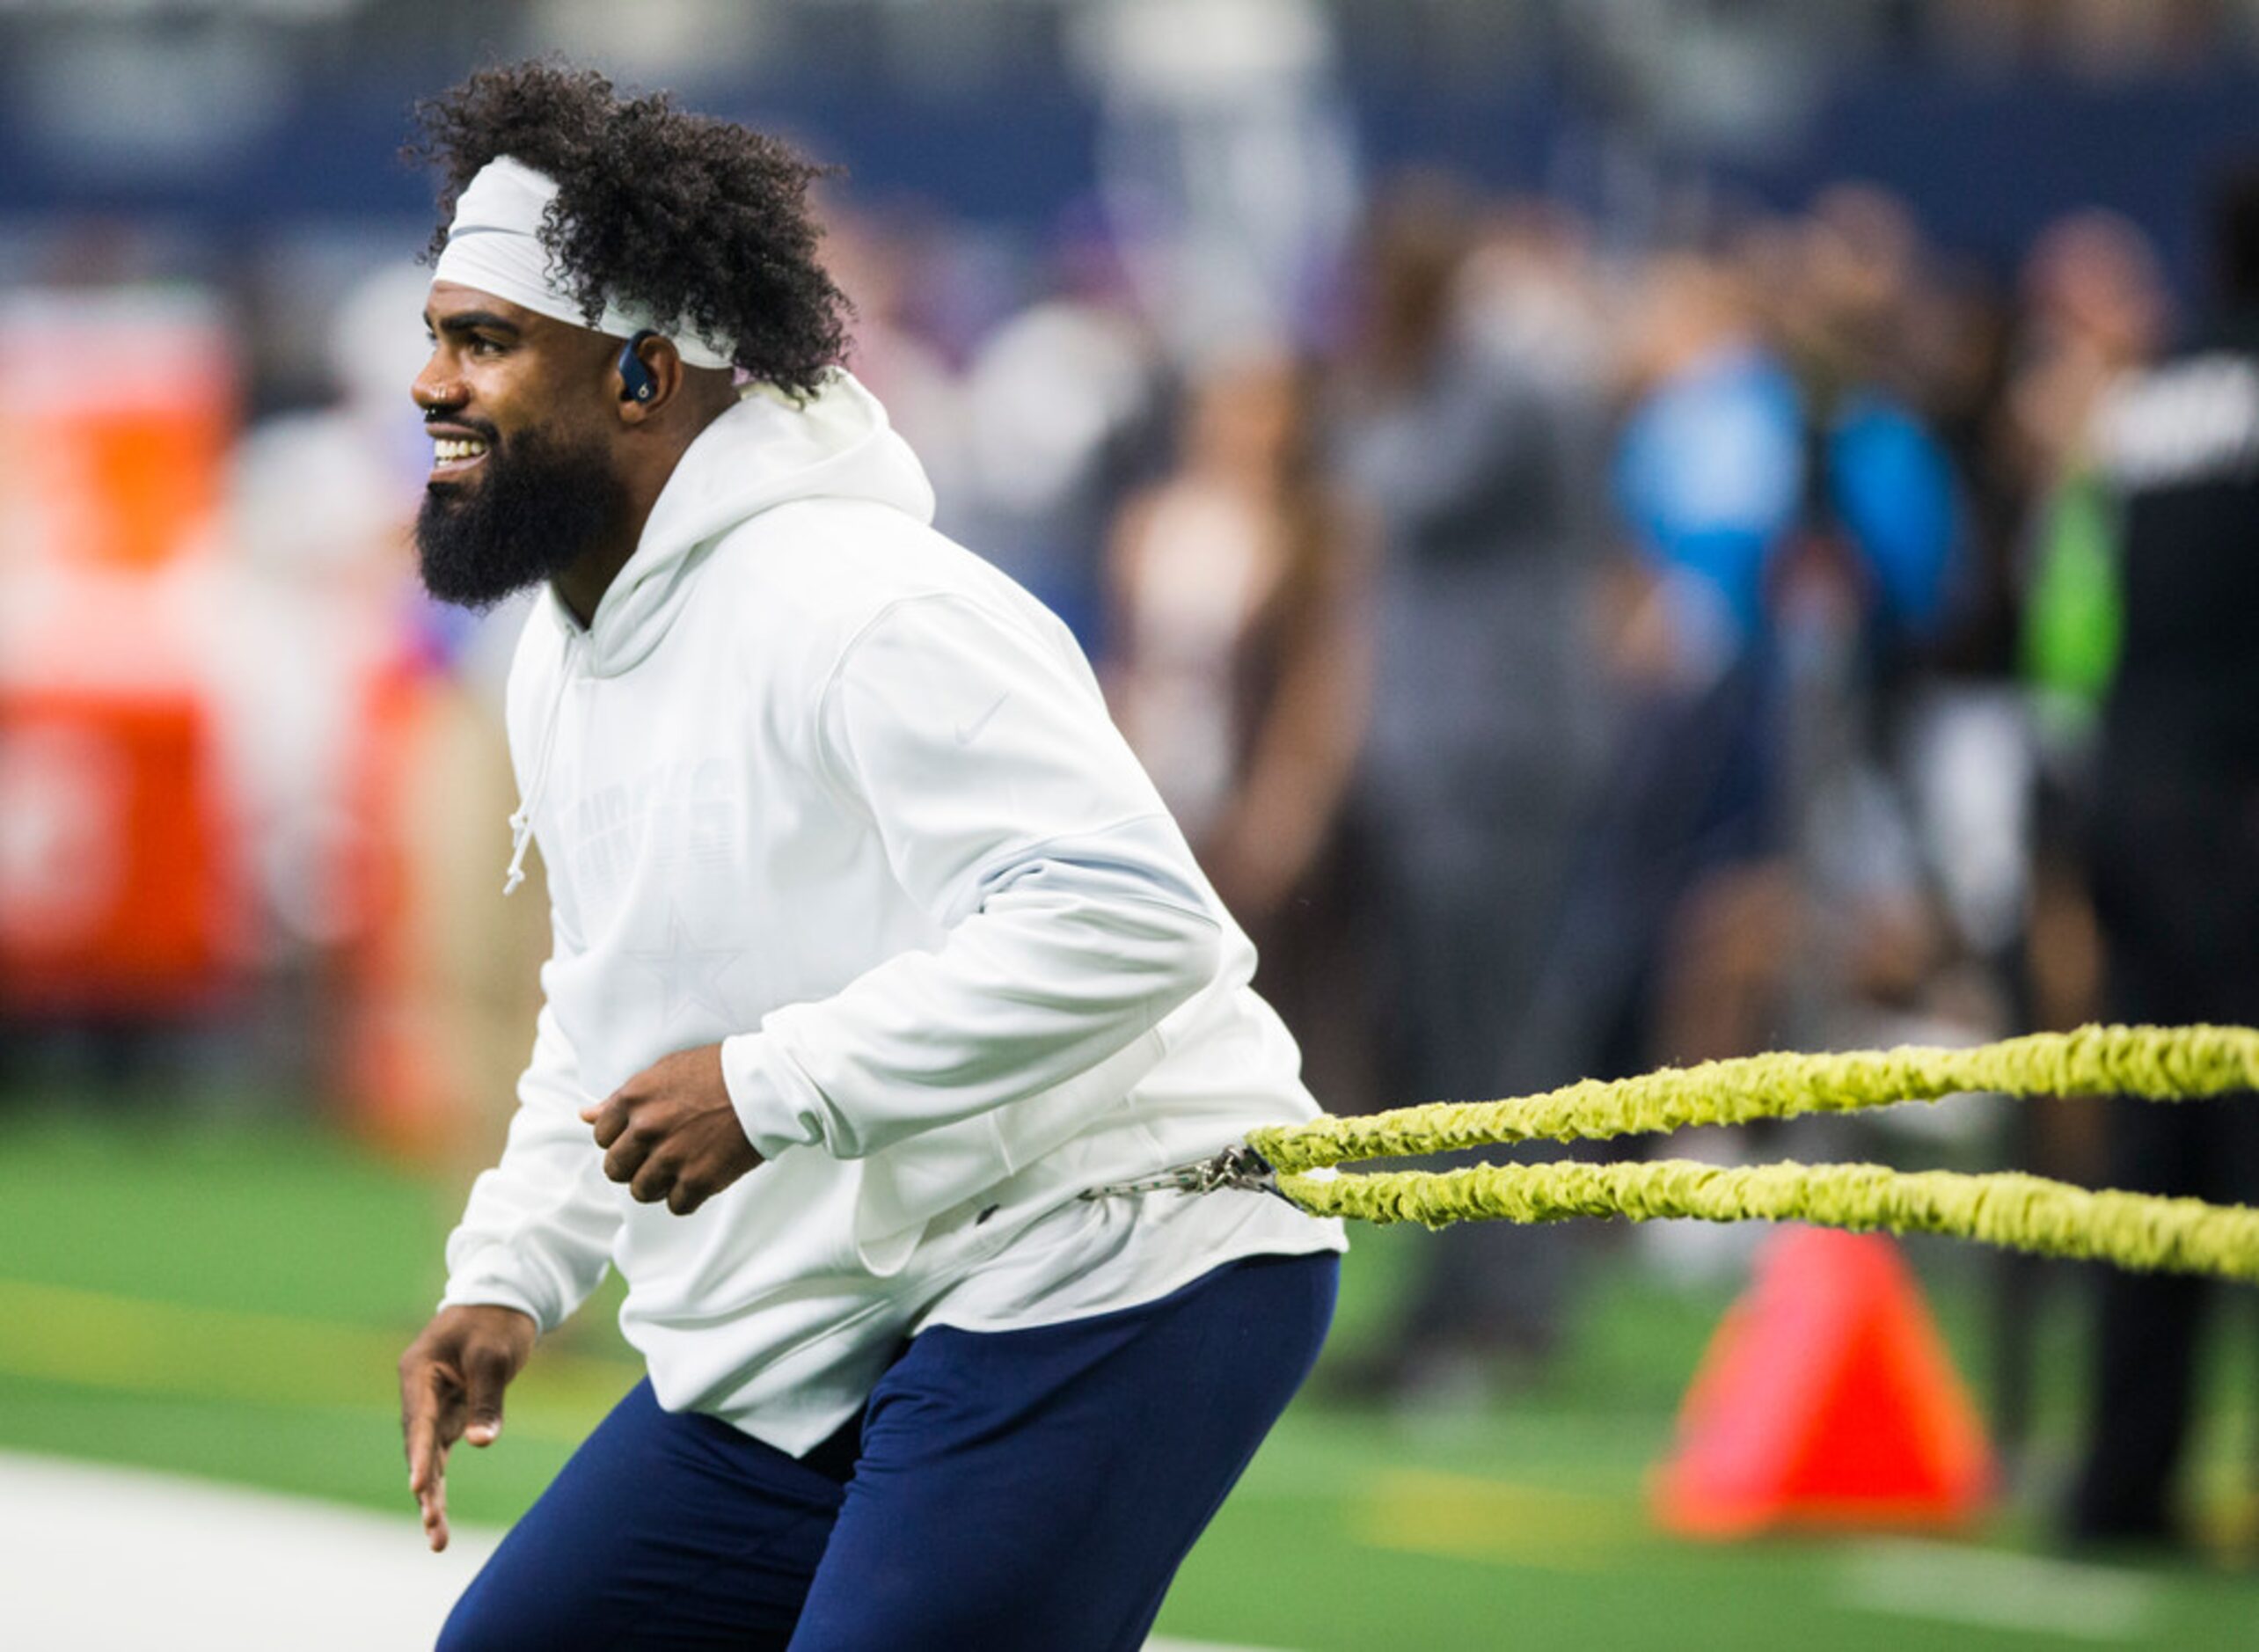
<point>635,381</point>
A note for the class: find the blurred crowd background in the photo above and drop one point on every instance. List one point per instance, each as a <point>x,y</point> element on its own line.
<point>1599,515</point>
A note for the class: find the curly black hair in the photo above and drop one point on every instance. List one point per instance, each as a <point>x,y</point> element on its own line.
<point>704,221</point>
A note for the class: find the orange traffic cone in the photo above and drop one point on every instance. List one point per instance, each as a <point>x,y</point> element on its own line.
<point>1826,1399</point>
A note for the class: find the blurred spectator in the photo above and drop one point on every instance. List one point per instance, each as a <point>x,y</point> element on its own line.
<point>1867,586</point>
<point>2175,845</point>
<point>1708,480</point>
<point>2095,313</point>
<point>1065,405</point>
<point>1470,430</point>
<point>1880,471</point>
<point>1238,669</point>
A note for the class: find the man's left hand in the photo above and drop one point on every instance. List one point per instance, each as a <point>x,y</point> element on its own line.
<point>670,1133</point>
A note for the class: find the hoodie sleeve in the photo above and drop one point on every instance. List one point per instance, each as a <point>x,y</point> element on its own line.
<point>1013,812</point>
<point>536,1234</point>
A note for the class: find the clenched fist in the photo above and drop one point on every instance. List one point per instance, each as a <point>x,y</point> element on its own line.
<point>670,1133</point>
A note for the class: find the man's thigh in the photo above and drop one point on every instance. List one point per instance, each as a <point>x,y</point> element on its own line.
<point>665,1530</point>
<point>1038,1489</point>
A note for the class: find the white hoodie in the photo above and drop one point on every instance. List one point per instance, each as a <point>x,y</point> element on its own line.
<point>821,785</point>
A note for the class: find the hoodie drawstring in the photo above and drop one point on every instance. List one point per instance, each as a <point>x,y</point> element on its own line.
<point>521,820</point>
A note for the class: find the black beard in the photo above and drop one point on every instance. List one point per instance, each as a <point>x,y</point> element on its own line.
<point>542,504</point>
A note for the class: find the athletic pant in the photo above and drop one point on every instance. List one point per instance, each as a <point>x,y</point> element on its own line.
<point>2176,888</point>
<point>1011,1489</point>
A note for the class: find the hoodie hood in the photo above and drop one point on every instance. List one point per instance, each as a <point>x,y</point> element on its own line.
<point>767,451</point>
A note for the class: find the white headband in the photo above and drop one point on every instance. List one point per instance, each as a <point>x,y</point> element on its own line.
<point>493,244</point>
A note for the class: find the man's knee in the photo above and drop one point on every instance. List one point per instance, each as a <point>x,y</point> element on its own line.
<point>472,1627</point>
<point>469,1631</point>
<point>496,1614</point>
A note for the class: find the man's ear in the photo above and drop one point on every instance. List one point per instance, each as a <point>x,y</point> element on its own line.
<point>649,375</point>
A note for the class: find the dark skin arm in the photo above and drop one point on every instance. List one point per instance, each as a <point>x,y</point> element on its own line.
<point>670,1133</point>
<point>451,1383</point>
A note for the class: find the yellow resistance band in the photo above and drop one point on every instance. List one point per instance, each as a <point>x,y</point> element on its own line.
<point>2024,1213</point>
<point>2021,1212</point>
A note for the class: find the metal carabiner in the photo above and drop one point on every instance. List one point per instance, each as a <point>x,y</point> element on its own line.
<point>1239,1166</point>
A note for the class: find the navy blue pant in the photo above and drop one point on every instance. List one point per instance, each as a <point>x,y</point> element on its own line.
<point>1032,1489</point>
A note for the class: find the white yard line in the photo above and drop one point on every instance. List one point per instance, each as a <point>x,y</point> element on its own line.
<point>97,1559</point>
<point>118,1560</point>
<point>1943,1582</point>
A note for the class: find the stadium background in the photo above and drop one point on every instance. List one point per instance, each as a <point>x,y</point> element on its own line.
<point>259,1004</point>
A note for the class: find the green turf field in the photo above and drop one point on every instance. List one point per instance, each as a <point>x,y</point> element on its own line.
<point>227,1299</point>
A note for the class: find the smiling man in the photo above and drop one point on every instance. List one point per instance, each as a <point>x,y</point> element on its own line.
<point>875,952</point>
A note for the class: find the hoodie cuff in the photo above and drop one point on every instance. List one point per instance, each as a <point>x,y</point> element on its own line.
<point>776,1105</point>
<point>484,1281</point>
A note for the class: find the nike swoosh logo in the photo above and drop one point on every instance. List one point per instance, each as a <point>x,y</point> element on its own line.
<point>967,733</point>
